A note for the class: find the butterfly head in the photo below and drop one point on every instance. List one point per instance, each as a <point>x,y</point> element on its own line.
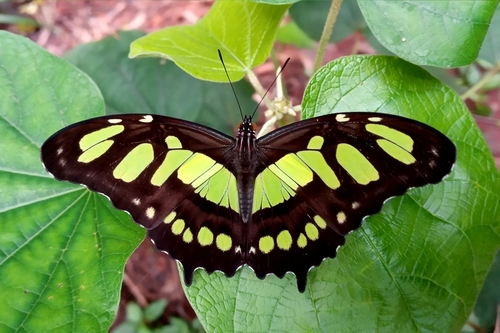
<point>246,125</point>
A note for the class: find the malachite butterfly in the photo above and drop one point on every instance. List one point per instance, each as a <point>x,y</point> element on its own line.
<point>280,203</point>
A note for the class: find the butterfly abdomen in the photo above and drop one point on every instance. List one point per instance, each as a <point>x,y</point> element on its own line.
<point>245,167</point>
<point>245,195</point>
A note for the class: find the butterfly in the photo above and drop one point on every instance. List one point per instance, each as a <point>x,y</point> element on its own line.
<point>280,203</point>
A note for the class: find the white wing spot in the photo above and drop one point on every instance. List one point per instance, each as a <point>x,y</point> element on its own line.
<point>237,249</point>
<point>341,118</point>
<point>375,119</point>
<point>136,201</point>
<point>434,152</point>
<point>60,151</point>
<point>355,205</point>
<point>432,164</point>
<point>62,162</point>
<point>252,250</point>
<point>146,119</point>
<point>150,212</point>
<point>341,217</point>
<point>114,121</point>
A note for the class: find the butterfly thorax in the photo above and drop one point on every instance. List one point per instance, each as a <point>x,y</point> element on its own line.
<point>246,167</point>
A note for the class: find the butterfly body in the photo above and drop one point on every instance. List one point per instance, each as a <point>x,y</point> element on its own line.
<point>244,166</point>
<point>281,203</point>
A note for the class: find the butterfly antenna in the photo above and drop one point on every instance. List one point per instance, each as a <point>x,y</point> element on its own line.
<point>270,86</point>
<point>232,87</point>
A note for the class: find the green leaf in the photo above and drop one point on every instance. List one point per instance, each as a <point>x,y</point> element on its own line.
<point>443,33</point>
<point>370,38</point>
<point>243,31</point>
<point>154,310</point>
<point>490,50</point>
<point>154,86</point>
<point>17,19</point>
<point>416,266</point>
<point>126,327</point>
<point>143,329</point>
<point>196,326</point>
<point>435,33</point>
<point>274,2</point>
<point>62,248</point>
<point>290,33</point>
<point>134,312</point>
<point>177,325</point>
<point>489,298</point>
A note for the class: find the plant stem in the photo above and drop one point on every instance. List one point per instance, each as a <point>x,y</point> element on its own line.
<point>480,83</point>
<point>327,32</point>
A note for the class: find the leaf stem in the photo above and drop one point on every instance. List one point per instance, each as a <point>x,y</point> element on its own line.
<point>327,32</point>
<point>480,83</point>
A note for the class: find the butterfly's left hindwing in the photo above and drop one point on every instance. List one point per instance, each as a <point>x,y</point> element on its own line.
<point>149,166</point>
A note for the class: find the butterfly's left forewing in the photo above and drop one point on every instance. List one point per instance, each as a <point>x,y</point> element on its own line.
<point>171,175</point>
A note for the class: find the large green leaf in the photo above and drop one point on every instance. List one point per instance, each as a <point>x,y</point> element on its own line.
<point>155,86</point>
<point>62,248</point>
<point>416,266</point>
<point>243,31</point>
<point>435,33</point>
<point>445,33</point>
